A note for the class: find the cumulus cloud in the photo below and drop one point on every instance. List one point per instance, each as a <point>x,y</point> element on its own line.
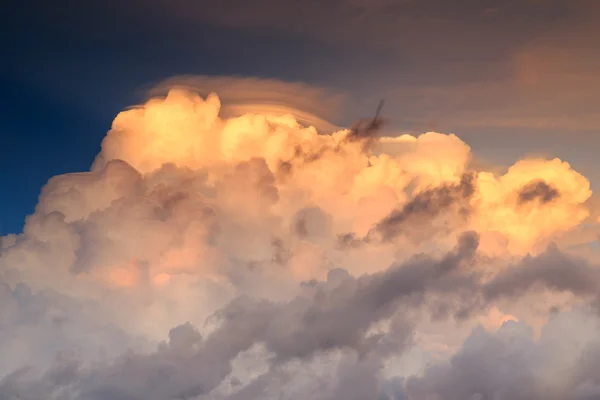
<point>510,364</point>
<point>281,261</point>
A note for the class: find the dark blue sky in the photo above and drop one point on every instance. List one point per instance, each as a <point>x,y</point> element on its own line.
<point>65,82</point>
<point>70,66</point>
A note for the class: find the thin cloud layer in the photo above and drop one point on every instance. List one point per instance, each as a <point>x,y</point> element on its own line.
<point>531,64</point>
<point>280,261</point>
<point>308,104</point>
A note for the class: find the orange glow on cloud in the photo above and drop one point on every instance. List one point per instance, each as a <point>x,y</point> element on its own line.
<point>190,192</point>
<point>186,130</point>
<point>127,275</point>
<point>495,319</point>
<point>161,279</point>
<point>186,209</point>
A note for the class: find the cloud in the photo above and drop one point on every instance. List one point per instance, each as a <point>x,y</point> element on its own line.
<point>221,232</point>
<point>510,364</point>
<point>299,329</point>
<point>538,190</point>
<point>41,326</point>
<point>550,269</point>
<point>244,95</point>
<point>335,316</point>
<point>428,204</point>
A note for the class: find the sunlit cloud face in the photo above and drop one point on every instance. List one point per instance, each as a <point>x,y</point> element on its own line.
<point>283,246</point>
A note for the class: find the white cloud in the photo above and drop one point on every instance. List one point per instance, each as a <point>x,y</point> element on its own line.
<point>274,242</point>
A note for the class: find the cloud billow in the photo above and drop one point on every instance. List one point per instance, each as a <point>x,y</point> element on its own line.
<point>188,227</point>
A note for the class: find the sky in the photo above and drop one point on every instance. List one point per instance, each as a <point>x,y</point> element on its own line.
<point>185,215</point>
<point>510,77</point>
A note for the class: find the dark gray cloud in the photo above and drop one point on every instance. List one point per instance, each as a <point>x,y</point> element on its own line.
<point>551,269</point>
<point>537,190</point>
<point>426,206</point>
<point>414,220</point>
<point>339,313</point>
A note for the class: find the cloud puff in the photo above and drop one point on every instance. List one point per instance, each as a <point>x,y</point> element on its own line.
<point>272,248</point>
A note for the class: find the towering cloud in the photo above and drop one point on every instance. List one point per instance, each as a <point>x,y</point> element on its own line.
<point>282,262</point>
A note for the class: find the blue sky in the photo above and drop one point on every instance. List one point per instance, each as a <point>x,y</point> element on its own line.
<point>62,89</point>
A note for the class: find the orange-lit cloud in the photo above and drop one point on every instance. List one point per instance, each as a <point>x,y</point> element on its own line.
<point>495,319</point>
<point>186,130</point>
<point>189,192</point>
<point>186,209</point>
